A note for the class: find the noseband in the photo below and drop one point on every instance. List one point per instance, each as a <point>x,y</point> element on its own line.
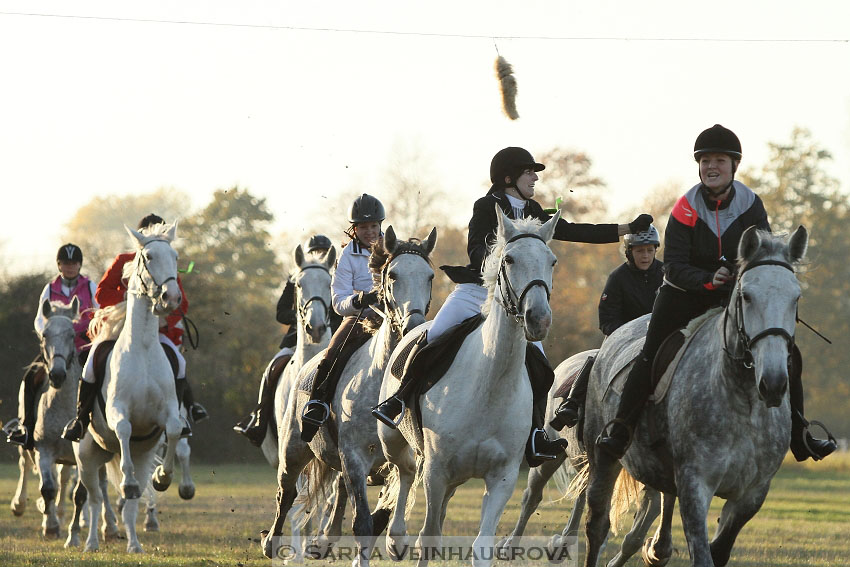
<point>512,302</point>
<point>746,360</point>
<point>393,308</point>
<point>155,291</point>
<point>302,307</point>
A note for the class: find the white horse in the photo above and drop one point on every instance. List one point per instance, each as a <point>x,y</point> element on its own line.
<point>476,420</point>
<point>139,396</point>
<point>351,447</point>
<point>724,425</point>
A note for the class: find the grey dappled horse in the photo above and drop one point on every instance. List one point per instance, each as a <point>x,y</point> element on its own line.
<point>724,425</point>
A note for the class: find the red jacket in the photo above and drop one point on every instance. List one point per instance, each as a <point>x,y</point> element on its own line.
<point>112,289</point>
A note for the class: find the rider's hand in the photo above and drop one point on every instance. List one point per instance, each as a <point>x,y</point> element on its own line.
<point>640,224</point>
<point>364,299</point>
<point>721,276</point>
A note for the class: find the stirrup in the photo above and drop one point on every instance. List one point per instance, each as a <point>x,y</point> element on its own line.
<point>534,452</point>
<point>15,427</point>
<point>311,420</point>
<point>187,429</point>
<point>246,423</point>
<point>200,410</point>
<point>806,434</point>
<point>387,420</point>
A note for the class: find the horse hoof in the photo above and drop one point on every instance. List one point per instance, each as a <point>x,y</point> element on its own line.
<point>559,548</point>
<point>151,526</point>
<point>18,510</point>
<point>110,533</point>
<point>131,491</point>
<point>51,533</point>
<point>397,549</point>
<point>72,541</point>
<point>160,480</point>
<point>267,543</point>
<point>91,546</point>
<point>186,491</point>
<point>40,505</point>
<point>650,558</point>
<point>137,548</point>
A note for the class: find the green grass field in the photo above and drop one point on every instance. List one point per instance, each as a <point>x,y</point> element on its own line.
<point>805,521</point>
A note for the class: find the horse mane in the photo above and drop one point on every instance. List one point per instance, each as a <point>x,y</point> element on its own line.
<point>107,322</point>
<point>492,262</point>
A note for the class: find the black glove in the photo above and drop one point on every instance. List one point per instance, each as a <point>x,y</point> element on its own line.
<point>641,223</point>
<point>364,299</point>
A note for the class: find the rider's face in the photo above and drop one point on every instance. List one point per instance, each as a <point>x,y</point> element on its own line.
<point>715,171</point>
<point>643,255</point>
<point>367,232</point>
<point>525,183</point>
<point>69,269</point>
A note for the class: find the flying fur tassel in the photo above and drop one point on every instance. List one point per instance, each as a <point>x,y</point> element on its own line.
<point>507,84</point>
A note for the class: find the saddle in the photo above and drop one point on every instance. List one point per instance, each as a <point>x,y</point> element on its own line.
<point>101,354</point>
<point>277,367</point>
<point>360,335</point>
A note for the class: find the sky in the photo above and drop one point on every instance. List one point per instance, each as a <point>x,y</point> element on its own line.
<point>301,101</point>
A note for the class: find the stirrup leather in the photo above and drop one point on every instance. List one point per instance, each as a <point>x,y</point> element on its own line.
<point>309,405</point>
<point>617,421</point>
<point>534,452</point>
<point>387,420</point>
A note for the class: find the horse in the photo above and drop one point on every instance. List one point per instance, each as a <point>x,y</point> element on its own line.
<point>475,421</point>
<point>724,425</point>
<point>138,392</point>
<point>649,500</point>
<point>352,447</point>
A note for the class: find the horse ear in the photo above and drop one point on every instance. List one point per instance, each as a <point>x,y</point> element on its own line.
<point>75,308</point>
<point>798,244</point>
<point>390,240</point>
<point>45,307</point>
<point>330,257</point>
<point>431,241</point>
<point>547,231</point>
<point>172,232</point>
<point>504,226</point>
<point>750,242</point>
<point>298,256</point>
<point>137,236</point>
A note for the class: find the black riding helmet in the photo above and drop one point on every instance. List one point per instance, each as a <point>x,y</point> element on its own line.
<point>69,253</point>
<point>318,242</point>
<point>510,162</point>
<point>366,208</point>
<point>150,220</point>
<point>718,140</point>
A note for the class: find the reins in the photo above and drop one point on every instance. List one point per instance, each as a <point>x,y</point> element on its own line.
<point>507,291</point>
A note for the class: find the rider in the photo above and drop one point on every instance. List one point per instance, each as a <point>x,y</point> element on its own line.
<point>64,288</point>
<point>700,246</point>
<point>629,293</point>
<point>254,425</point>
<point>513,173</point>
<point>111,290</point>
<point>352,295</point>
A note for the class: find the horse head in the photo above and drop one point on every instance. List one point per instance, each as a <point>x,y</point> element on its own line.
<point>764,309</point>
<point>519,271</point>
<point>406,277</point>
<point>155,268</point>
<point>313,290</point>
<point>57,340</point>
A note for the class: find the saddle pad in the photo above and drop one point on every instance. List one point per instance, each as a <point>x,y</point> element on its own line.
<point>686,335</point>
<point>358,335</point>
<point>632,335</point>
<point>306,383</point>
<point>564,389</point>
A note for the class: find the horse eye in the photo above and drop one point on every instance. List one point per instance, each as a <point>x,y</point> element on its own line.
<point>746,297</point>
<point>509,260</point>
<point>555,261</point>
<point>391,276</point>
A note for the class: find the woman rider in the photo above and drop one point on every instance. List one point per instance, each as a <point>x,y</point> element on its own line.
<point>513,173</point>
<point>700,243</point>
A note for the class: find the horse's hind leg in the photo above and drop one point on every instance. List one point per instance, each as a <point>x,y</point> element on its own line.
<point>163,474</point>
<point>74,527</point>
<point>561,544</point>
<point>658,550</point>
<point>110,521</point>
<point>330,528</point>
<point>603,475</point>
<point>649,505</point>
<point>19,500</point>
<point>186,490</point>
<point>733,517</point>
<point>65,474</point>
<point>90,458</point>
<point>531,498</point>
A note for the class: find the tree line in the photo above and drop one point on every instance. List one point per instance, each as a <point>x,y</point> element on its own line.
<point>239,268</point>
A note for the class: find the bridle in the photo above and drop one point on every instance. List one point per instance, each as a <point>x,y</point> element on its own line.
<point>302,307</point>
<point>63,356</point>
<point>152,292</point>
<point>393,310</point>
<point>511,302</point>
<point>747,360</point>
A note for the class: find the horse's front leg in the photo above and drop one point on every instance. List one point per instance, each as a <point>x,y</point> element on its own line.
<point>164,473</point>
<point>19,500</point>
<point>733,517</point>
<point>48,489</point>
<point>695,497</point>
<point>130,488</point>
<point>436,489</point>
<point>603,475</point>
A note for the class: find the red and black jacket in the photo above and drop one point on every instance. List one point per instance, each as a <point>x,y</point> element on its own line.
<point>703,235</point>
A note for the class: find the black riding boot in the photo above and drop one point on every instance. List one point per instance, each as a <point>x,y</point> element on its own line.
<point>180,390</point>
<point>76,428</point>
<point>635,394</point>
<point>254,426</point>
<point>390,411</point>
<point>803,445</point>
<point>23,433</point>
<point>196,410</point>
<point>567,414</point>
<point>317,410</point>
<point>539,448</point>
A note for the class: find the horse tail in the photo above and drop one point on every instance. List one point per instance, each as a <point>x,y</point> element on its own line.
<point>314,492</point>
<point>106,323</point>
<point>626,491</point>
<point>580,480</point>
<point>417,480</point>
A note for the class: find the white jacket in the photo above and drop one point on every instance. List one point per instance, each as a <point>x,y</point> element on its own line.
<point>352,274</point>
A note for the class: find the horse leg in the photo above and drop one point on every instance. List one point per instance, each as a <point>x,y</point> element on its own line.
<point>649,506</point>
<point>531,498</point>
<point>733,517</point>
<point>186,490</point>
<point>90,458</point>
<point>74,527</point>
<point>163,474</point>
<point>144,462</point>
<point>430,535</point>
<point>499,486</point>
<point>110,521</point>
<point>603,475</point>
<point>355,472</point>
<point>49,521</point>
<point>19,500</point>
<point>695,497</point>
<point>560,544</point>
<point>658,550</point>
<point>330,527</point>
<point>65,473</point>
<point>151,520</point>
<point>397,538</point>
<point>129,485</point>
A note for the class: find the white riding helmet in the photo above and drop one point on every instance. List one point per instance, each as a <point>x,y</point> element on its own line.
<point>648,236</point>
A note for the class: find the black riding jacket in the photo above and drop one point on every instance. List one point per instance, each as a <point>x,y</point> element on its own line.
<point>483,225</point>
<point>628,294</point>
<point>703,235</point>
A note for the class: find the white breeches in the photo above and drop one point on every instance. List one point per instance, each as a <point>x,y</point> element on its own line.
<point>88,368</point>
